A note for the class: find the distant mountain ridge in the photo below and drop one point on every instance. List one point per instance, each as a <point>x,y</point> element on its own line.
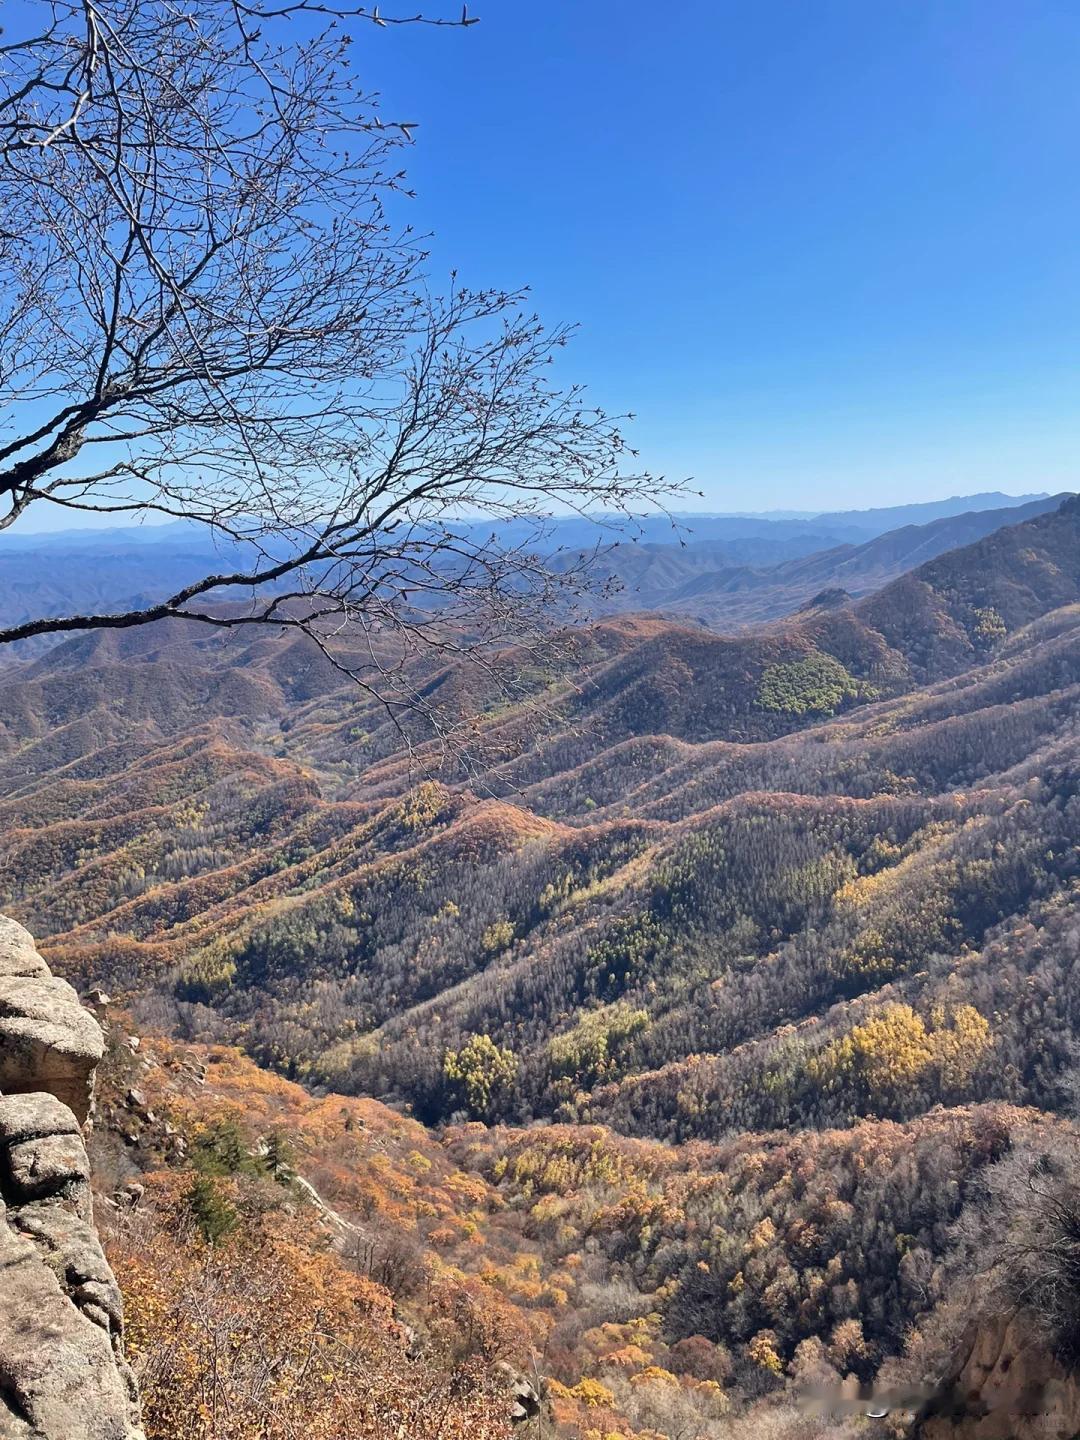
<point>571,528</point>
<point>714,586</point>
<point>892,517</point>
<point>917,512</point>
<point>726,571</point>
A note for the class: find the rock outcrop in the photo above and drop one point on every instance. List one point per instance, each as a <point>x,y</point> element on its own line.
<point>1003,1386</point>
<point>48,1042</point>
<point>62,1371</point>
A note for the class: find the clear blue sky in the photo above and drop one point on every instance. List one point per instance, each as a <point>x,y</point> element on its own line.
<point>828,250</point>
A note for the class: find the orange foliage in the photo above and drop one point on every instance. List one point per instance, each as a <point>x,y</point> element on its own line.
<point>268,1336</point>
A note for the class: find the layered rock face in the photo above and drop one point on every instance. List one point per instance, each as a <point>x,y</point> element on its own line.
<point>1004,1386</point>
<point>62,1370</point>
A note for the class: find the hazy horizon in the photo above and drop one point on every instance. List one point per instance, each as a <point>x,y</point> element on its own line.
<point>67,522</point>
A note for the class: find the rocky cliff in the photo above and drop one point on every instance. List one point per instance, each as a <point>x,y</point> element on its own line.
<point>1003,1386</point>
<point>62,1371</point>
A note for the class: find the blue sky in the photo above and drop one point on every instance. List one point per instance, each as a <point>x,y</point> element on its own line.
<point>828,250</point>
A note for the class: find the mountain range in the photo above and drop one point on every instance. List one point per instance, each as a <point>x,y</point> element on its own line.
<point>726,586</point>
<point>76,571</point>
<point>771,932</point>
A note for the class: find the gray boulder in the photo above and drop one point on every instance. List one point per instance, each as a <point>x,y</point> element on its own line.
<point>63,1375</point>
<point>47,1040</point>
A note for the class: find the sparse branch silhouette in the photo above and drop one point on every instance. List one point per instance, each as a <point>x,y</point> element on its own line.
<point>209,313</point>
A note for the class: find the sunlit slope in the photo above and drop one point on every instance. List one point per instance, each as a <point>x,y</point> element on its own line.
<point>669,873</point>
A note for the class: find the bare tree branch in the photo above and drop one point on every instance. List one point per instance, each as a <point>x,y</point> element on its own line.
<point>207,313</point>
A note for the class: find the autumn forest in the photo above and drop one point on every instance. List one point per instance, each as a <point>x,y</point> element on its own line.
<point>676,1006</point>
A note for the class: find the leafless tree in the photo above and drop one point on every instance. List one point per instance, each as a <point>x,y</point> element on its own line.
<point>208,312</point>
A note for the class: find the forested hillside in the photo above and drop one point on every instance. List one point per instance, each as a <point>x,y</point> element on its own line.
<point>560,1282</point>
<point>653,853</point>
<point>779,930</point>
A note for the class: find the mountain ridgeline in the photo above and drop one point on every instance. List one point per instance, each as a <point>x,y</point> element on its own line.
<point>730,570</point>
<point>730,584</point>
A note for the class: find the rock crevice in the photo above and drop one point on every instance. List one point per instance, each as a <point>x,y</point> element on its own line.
<point>62,1370</point>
